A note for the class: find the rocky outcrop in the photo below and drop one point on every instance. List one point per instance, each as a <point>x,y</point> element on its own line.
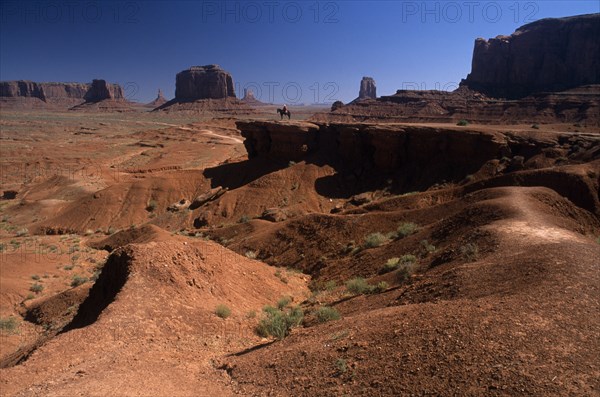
<point>250,99</point>
<point>367,88</point>
<point>203,82</point>
<point>375,148</point>
<point>58,95</point>
<point>571,106</point>
<point>160,100</point>
<point>101,90</point>
<point>548,55</point>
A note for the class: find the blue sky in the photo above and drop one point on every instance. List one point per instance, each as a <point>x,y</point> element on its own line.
<point>286,51</point>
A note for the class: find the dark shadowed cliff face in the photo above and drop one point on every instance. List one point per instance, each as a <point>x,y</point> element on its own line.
<point>203,82</point>
<point>546,55</point>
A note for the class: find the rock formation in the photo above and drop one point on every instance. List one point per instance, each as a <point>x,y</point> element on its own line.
<point>203,82</point>
<point>367,88</point>
<point>548,55</point>
<point>30,94</point>
<point>101,90</point>
<point>160,100</point>
<point>250,99</point>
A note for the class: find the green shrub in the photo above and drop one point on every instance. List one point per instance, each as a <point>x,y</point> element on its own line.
<point>391,265</point>
<point>37,288</point>
<point>8,324</point>
<point>278,323</point>
<point>223,311</point>
<point>403,274</point>
<point>380,287</point>
<point>68,267</point>
<point>78,280</point>
<point>341,366</point>
<point>406,229</point>
<point>375,240</point>
<point>470,251</point>
<point>429,248</point>
<point>463,123</point>
<point>326,313</point>
<point>358,286</point>
<point>283,302</point>
<point>35,277</point>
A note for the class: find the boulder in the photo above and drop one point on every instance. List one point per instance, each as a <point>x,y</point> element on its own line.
<point>274,215</point>
<point>203,82</point>
<point>178,206</point>
<point>548,55</point>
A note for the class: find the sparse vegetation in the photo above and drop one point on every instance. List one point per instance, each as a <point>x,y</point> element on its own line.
<point>535,127</point>
<point>406,229</point>
<point>251,314</point>
<point>250,254</point>
<point>223,311</point>
<point>462,123</point>
<point>280,276</point>
<point>68,267</point>
<point>111,230</point>
<point>244,219</point>
<point>391,265</point>
<point>37,288</point>
<point>8,324</point>
<point>283,302</point>
<point>427,247</point>
<point>375,240</point>
<point>470,251</point>
<point>278,323</point>
<point>326,313</point>
<point>35,277</point>
<point>341,366</point>
<point>358,286</point>
<point>78,280</point>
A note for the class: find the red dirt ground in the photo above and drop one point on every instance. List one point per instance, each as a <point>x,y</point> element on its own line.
<point>503,298</point>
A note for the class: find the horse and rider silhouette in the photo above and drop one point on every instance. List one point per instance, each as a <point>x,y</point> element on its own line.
<point>284,112</point>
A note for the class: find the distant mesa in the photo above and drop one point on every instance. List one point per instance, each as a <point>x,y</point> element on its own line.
<point>33,95</point>
<point>367,88</point>
<point>548,55</point>
<point>546,71</point>
<point>204,82</point>
<point>203,89</point>
<point>160,100</point>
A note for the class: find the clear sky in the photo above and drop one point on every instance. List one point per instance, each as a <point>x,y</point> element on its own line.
<point>286,51</point>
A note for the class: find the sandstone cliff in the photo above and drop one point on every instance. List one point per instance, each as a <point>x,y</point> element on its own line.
<point>548,55</point>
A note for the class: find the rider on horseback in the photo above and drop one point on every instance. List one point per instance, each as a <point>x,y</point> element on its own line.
<point>284,109</point>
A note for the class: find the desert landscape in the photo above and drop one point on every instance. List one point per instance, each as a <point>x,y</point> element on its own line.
<point>425,243</point>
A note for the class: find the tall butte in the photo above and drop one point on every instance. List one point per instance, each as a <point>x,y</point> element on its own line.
<point>367,88</point>
<point>203,82</point>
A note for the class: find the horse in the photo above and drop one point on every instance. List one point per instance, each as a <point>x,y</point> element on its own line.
<point>282,113</point>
